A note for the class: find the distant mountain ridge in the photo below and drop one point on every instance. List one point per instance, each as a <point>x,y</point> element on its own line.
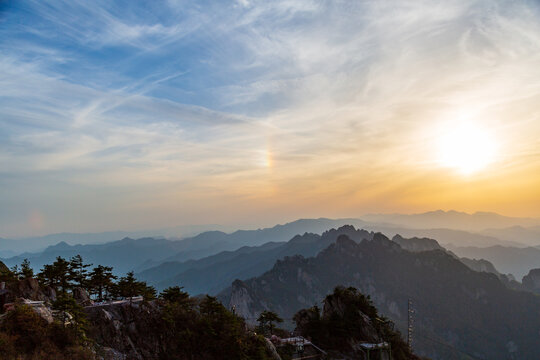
<point>486,224</point>
<point>121,254</point>
<point>129,254</point>
<point>526,235</point>
<point>172,252</point>
<point>40,243</point>
<point>452,219</point>
<point>214,273</point>
<point>513,260</point>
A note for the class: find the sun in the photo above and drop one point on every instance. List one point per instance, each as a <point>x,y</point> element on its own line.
<point>466,147</point>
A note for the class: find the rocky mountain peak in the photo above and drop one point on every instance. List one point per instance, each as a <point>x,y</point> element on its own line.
<point>531,281</point>
<point>354,234</point>
<point>345,242</point>
<point>416,244</point>
<point>61,246</point>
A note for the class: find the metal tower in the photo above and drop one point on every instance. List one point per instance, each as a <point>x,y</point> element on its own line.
<point>410,322</point>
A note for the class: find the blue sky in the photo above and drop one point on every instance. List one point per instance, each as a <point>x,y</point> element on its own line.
<point>126,114</point>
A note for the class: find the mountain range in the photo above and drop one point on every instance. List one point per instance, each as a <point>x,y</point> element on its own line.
<point>130,254</point>
<point>459,313</point>
<point>13,247</point>
<point>474,222</point>
<point>509,260</point>
<point>457,290</point>
<point>213,274</point>
<point>478,229</point>
<point>163,262</point>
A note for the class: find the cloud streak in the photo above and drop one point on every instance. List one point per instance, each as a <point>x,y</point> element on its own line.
<point>186,108</point>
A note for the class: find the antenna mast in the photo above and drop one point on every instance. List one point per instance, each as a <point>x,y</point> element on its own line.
<point>410,322</point>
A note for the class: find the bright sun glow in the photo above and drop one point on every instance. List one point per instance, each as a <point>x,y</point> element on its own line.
<point>467,148</point>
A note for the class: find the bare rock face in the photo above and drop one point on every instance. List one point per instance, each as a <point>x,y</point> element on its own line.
<point>272,349</point>
<point>82,298</point>
<point>49,293</point>
<point>531,281</point>
<point>242,302</point>
<point>43,311</point>
<point>480,265</point>
<point>106,353</point>
<point>30,289</point>
<point>3,268</point>
<point>127,328</point>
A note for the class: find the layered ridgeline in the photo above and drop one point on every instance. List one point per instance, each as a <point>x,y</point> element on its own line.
<point>478,221</point>
<point>459,313</point>
<point>213,274</point>
<point>179,255</point>
<point>138,254</point>
<point>508,259</point>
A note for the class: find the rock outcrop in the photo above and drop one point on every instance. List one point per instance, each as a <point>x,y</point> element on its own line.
<point>417,244</point>
<point>3,268</point>
<point>244,304</point>
<point>129,329</point>
<point>334,307</point>
<point>31,290</point>
<point>81,296</point>
<point>531,281</point>
<point>41,309</point>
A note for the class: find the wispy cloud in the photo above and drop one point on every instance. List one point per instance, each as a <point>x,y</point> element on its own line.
<point>254,104</point>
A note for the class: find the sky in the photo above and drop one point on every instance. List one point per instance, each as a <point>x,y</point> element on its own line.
<point>135,115</point>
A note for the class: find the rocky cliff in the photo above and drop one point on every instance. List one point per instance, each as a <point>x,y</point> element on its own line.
<point>131,330</point>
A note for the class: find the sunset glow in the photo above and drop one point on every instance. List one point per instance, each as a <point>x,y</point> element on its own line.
<point>257,112</point>
<point>467,148</point>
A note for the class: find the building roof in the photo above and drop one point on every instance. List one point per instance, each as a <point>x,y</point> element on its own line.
<point>299,340</point>
<point>33,302</point>
<point>370,346</point>
<point>295,340</point>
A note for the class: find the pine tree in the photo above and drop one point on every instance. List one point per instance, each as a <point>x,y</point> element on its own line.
<point>61,269</point>
<point>77,271</point>
<point>174,294</point>
<point>67,306</point>
<point>101,281</point>
<point>15,271</point>
<point>56,275</point>
<point>266,321</point>
<point>47,276</point>
<point>26,270</point>
<point>129,287</point>
<point>148,292</point>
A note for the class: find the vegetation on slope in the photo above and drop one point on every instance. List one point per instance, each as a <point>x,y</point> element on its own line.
<point>25,335</point>
<point>349,318</point>
<point>171,326</point>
